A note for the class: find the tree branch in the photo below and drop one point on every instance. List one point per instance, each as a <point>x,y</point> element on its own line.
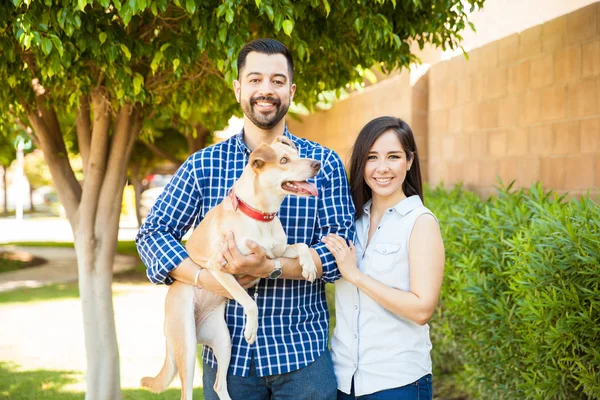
<point>161,153</point>
<point>96,164</point>
<point>84,130</point>
<point>55,154</point>
<point>127,127</point>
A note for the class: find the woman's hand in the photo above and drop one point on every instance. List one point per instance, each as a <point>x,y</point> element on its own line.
<point>345,256</point>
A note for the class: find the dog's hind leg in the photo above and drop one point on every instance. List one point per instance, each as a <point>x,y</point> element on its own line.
<point>179,313</point>
<point>214,333</point>
<point>180,330</point>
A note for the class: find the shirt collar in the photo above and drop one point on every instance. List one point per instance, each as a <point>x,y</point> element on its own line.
<point>403,207</point>
<point>239,139</point>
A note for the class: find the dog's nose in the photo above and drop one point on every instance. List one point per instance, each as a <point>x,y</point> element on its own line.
<point>316,165</point>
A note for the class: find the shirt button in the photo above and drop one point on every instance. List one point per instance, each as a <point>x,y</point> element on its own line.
<point>355,336</point>
<point>356,307</point>
<point>384,251</point>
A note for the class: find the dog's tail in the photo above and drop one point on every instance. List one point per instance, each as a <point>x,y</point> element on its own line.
<point>164,378</point>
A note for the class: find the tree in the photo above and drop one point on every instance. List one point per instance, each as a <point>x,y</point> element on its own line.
<point>109,65</point>
<point>10,135</point>
<point>8,153</point>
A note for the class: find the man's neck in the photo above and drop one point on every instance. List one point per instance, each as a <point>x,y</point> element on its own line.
<point>254,136</point>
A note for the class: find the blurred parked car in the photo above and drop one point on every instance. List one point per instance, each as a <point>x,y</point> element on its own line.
<point>156,184</point>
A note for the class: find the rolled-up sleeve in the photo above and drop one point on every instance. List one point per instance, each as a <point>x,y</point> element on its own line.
<point>336,213</point>
<point>175,210</point>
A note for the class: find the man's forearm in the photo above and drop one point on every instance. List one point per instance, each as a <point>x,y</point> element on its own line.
<point>185,272</point>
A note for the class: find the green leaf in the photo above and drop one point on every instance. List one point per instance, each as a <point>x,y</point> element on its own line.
<point>164,47</point>
<point>58,45</point>
<point>125,51</point>
<point>138,82</point>
<point>27,41</point>
<point>358,24</point>
<point>257,3</point>
<point>270,12</point>
<point>104,3</point>
<point>72,98</point>
<point>278,21</point>
<point>176,64</point>
<point>327,7</point>
<point>288,27</point>
<point>102,36</point>
<point>190,6</point>
<point>397,41</point>
<point>221,10</point>
<point>301,52</point>
<point>229,16</point>
<point>156,62</point>
<point>120,93</point>
<point>184,110</point>
<point>223,33</point>
<point>369,75</point>
<point>81,4</point>
<point>46,45</point>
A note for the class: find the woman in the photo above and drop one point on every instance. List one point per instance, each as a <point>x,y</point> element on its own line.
<point>392,278</point>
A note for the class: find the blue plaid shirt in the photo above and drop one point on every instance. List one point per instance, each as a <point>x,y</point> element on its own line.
<point>293,318</point>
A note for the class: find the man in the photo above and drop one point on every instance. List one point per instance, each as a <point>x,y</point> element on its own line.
<point>290,358</point>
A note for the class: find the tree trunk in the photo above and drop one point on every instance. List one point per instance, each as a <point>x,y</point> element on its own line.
<point>5,211</point>
<point>95,266</point>
<point>93,212</point>
<point>31,206</point>
<point>137,188</point>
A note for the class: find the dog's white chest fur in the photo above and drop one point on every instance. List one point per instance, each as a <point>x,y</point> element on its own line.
<point>268,235</point>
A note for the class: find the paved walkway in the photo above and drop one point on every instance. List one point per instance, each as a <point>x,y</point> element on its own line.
<point>61,267</point>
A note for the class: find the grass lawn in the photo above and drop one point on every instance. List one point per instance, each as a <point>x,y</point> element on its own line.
<point>7,265</point>
<point>49,385</point>
<point>71,290</point>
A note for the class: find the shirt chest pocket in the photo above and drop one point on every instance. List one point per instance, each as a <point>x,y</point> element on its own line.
<point>385,256</point>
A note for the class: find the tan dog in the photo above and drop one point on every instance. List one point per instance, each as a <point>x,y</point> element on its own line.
<point>194,315</point>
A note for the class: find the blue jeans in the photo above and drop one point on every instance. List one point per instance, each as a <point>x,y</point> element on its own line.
<point>316,381</point>
<point>418,390</point>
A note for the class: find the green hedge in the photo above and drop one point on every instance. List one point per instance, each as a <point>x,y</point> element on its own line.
<point>519,314</point>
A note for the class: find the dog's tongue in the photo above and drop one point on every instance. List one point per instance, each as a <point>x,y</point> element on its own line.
<point>309,187</point>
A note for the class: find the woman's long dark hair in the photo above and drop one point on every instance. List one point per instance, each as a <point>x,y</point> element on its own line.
<point>361,192</point>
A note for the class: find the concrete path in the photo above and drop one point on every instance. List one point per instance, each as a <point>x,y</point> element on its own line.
<point>61,267</point>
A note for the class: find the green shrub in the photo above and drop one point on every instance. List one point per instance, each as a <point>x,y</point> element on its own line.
<point>519,314</point>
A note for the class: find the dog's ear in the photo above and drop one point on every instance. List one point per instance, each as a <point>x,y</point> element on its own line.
<point>286,141</point>
<point>261,155</point>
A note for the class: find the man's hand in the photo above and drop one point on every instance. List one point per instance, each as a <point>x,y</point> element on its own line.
<point>254,264</point>
<point>207,281</point>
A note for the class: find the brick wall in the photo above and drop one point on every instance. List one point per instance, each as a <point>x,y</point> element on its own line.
<point>338,127</point>
<point>526,107</point>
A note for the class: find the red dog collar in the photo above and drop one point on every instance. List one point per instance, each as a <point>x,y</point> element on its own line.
<point>249,211</point>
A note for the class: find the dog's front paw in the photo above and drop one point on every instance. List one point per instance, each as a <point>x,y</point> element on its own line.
<point>251,329</point>
<point>309,269</point>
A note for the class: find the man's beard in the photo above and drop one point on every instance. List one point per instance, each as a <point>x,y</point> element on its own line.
<point>262,121</point>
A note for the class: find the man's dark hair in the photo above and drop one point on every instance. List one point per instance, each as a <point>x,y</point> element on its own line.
<point>265,46</point>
